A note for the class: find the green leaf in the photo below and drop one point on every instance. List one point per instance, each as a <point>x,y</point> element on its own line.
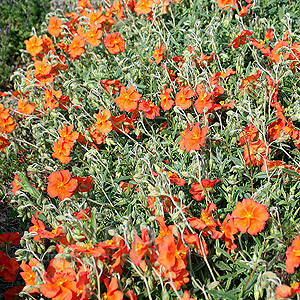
<point>222,295</point>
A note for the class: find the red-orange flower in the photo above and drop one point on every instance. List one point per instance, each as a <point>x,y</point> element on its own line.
<point>103,125</point>
<point>250,216</point>
<point>227,3</point>
<point>193,139</point>
<point>38,226</point>
<point>61,184</point>
<point>76,48</point>
<point>84,183</point>
<point>228,230</point>
<point>158,53</point>
<point>249,81</point>
<point>93,36</point>
<point>166,101</point>
<point>3,143</point>
<point>250,133</point>
<point>112,290</point>
<point>143,7</point>
<point>128,99</point>
<point>28,275</point>
<point>8,267</point>
<point>60,286</point>
<point>182,98</point>
<point>173,256</point>
<point>285,292</point>
<point>54,26</point>
<point>25,108</point>
<point>255,152</point>
<point>139,247</point>
<point>150,109</point>
<point>114,43</point>
<point>8,239</point>
<point>34,45</point>
<point>62,151</point>
<point>197,189</point>
<point>293,256</point>
<point>240,39</point>
<point>13,293</point>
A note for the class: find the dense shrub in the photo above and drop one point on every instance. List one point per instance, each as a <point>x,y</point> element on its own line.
<point>160,142</point>
<point>17,18</point>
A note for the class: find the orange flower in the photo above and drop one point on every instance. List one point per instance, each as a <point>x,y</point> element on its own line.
<point>3,143</point>
<point>103,125</point>
<point>76,48</point>
<point>150,109</point>
<point>227,232</point>
<point>84,183</point>
<point>193,239</point>
<point>34,45</point>
<point>166,102</point>
<point>7,125</point>
<point>128,99</point>
<point>139,247</point>
<point>143,7</point>
<point>29,275</point>
<point>123,123</point>
<point>206,221</point>
<point>8,267</point>
<point>114,43</point>
<point>112,290</point>
<point>164,231</point>
<point>93,36</point>
<point>255,152</point>
<point>174,178</point>
<point>38,227</point>
<point>62,151</point>
<point>227,3</point>
<point>240,39</point>
<point>83,214</point>
<point>67,134</point>
<point>197,189</point>
<point>158,53</point>
<point>182,98</point>
<point>8,239</point>
<point>249,82</point>
<point>61,286</point>
<point>285,292</point>
<point>173,256</point>
<point>204,100</point>
<point>25,108</point>
<point>51,97</point>
<point>293,256</point>
<point>193,139</point>
<point>250,216</point>
<point>61,184</point>
<point>54,26</point>
<point>41,68</point>
<point>250,133</point>
<point>275,128</point>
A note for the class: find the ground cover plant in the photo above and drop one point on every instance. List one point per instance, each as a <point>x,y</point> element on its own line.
<point>158,145</point>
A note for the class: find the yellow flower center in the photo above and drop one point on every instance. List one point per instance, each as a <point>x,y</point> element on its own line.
<point>179,254</point>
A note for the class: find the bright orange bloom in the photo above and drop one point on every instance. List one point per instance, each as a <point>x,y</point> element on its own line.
<point>131,295</point>
<point>197,189</point>
<point>7,125</point>
<point>112,290</point>
<point>158,53</point>
<point>3,143</point>
<point>293,256</point>
<point>250,216</point>
<point>278,51</point>
<point>250,133</point>
<point>76,48</point>
<point>28,275</point>
<point>240,39</point>
<point>182,98</point>
<point>150,109</point>
<point>60,286</point>
<point>52,97</point>
<point>227,232</point>
<point>62,151</point>
<point>171,255</point>
<point>34,45</point>
<point>186,296</point>
<point>193,239</point>
<point>139,247</point>
<point>58,265</point>
<point>255,152</point>
<point>244,10</point>
<point>83,214</point>
<point>25,108</point>
<point>114,43</point>
<point>38,227</point>
<point>89,249</point>
<point>4,112</point>
<point>285,292</point>
<point>128,99</point>
<point>204,100</point>
<point>67,134</point>
<point>93,36</point>
<point>164,231</point>
<point>249,82</point>
<point>206,223</point>
<point>54,26</point>
<point>122,123</point>
<point>193,139</point>
<point>275,128</point>
<point>84,183</point>
<point>111,86</point>
<point>166,102</point>
<point>8,267</point>
<point>41,68</point>
<point>61,184</point>
<point>174,178</point>
<point>103,125</point>
<point>143,7</point>
<point>226,4</point>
